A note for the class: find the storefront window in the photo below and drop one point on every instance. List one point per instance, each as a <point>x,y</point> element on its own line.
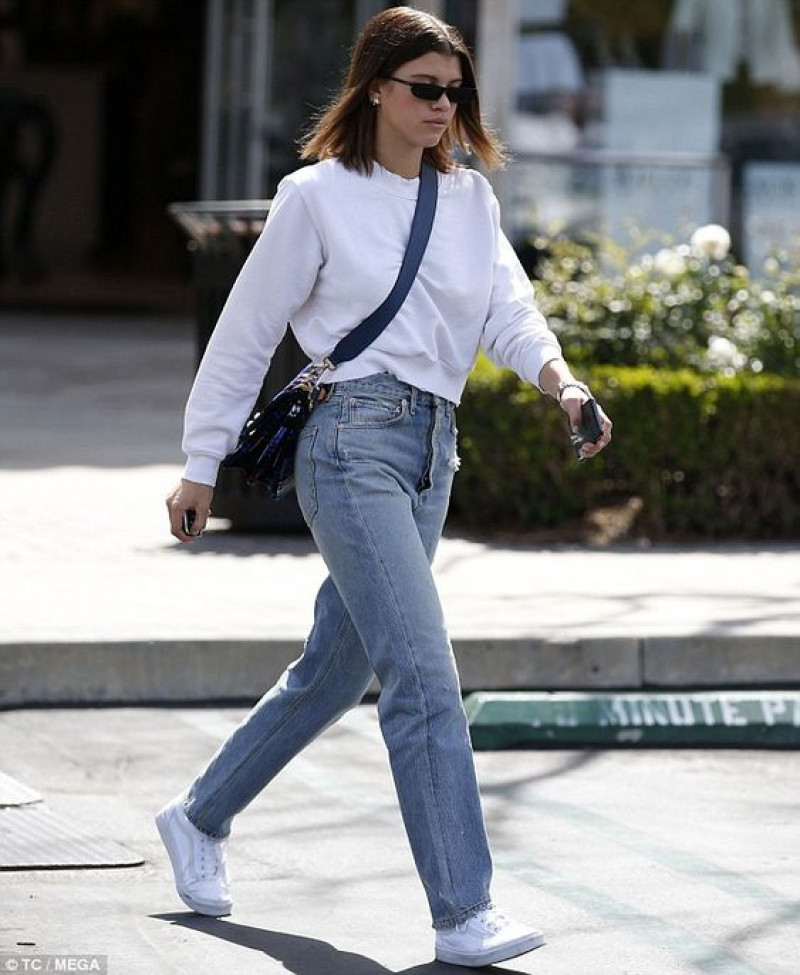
<point>99,126</point>
<point>657,117</point>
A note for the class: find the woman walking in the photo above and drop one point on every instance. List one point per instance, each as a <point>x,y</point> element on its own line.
<point>375,462</point>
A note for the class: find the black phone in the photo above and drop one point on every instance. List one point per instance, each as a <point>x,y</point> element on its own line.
<point>189,518</point>
<point>591,428</point>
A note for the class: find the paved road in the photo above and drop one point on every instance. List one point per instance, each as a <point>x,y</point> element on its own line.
<point>633,863</point>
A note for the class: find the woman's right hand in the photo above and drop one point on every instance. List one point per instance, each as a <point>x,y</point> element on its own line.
<point>189,496</point>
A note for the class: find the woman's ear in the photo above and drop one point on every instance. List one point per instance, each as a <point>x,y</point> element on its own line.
<point>374,93</point>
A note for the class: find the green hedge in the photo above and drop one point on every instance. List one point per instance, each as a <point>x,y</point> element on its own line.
<point>708,456</point>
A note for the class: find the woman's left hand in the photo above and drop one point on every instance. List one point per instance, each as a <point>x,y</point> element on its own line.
<point>571,401</point>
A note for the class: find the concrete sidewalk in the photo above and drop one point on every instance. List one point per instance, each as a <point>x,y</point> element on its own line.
<point>99,603</point>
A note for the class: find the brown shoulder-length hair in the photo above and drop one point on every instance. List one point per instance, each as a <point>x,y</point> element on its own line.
<point>346,128</point>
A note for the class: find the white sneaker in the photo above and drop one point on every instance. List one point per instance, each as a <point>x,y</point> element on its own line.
<point>198,861</point>
<point>484,939</point>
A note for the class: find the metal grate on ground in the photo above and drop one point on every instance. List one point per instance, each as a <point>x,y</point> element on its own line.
<point>34,838</point>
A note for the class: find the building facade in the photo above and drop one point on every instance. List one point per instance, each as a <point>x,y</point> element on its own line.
<point>622,118</point>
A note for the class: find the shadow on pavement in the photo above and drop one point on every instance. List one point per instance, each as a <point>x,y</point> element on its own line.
<point>572,762</point>
<point>221,541</point>
<point>308,956</point>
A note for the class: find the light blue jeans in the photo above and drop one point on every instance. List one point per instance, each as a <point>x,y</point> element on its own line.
<point>374,469</point>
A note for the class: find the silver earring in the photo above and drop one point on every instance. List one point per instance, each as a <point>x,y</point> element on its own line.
<point>376,102</point>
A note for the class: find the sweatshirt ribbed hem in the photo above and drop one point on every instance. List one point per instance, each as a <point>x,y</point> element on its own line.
<point>433,377</point>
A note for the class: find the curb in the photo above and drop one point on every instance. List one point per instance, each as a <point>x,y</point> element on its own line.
<point>728,719</point>
<point>163,671</point>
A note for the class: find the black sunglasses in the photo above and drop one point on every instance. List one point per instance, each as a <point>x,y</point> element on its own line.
<point>456,94</point>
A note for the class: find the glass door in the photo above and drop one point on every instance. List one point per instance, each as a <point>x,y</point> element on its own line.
<point>270,66</point>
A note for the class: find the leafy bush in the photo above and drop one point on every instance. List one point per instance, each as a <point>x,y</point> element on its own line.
<point>707,455</point>
<point>696,362</point>
<point>687,306</point>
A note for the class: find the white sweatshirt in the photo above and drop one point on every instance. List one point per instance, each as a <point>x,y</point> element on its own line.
<point>329,254</point>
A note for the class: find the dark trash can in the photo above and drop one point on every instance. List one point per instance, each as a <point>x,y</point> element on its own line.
<point>221,235</point>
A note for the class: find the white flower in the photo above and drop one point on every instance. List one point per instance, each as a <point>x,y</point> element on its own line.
<point>723,354</point>
<point>669,262</point>
<point>712,241</point>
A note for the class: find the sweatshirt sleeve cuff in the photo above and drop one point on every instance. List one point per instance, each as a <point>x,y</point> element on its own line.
<point>202,469</point>
<point>545,359</point>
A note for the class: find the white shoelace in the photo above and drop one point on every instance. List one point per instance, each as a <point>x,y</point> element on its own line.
<point>493,920</point>
<point>212,858</point>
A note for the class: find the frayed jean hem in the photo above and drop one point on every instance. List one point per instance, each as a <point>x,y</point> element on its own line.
<point>214,836</point>
<point>446,923</point>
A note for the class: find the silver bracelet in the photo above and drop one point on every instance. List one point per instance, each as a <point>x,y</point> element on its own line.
<point>571,384</point>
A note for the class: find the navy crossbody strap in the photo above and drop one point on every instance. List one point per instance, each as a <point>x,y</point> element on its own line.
<point>355,342</point>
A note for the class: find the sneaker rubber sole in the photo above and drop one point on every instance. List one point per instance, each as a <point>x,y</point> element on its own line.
<point>501,953</point>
